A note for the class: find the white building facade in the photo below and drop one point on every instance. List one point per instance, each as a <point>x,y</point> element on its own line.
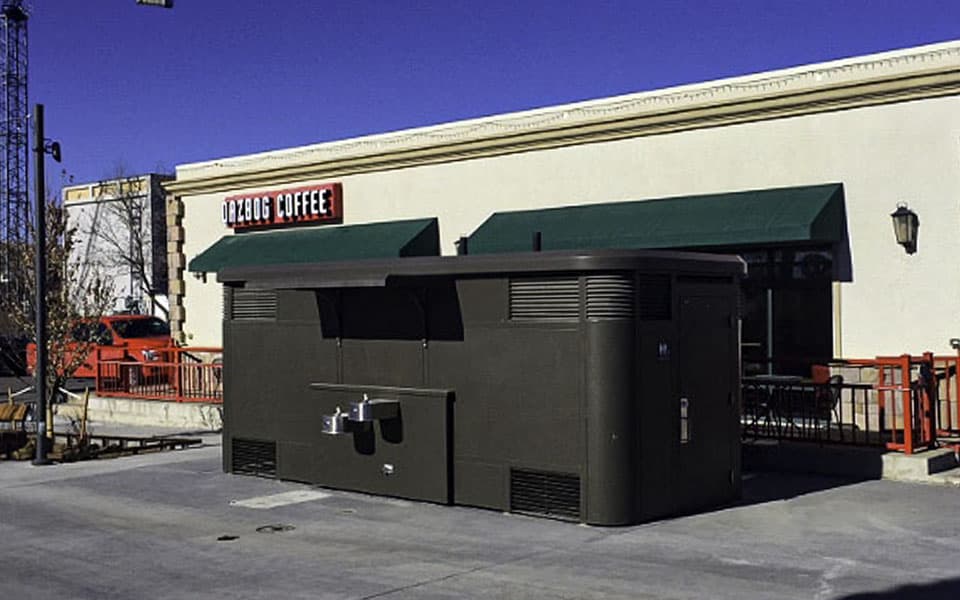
<point>885,128</point>
<point>121,234</point>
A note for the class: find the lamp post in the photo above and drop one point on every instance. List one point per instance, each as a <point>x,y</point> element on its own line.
<point>906,223</point>
<point>40,148</point>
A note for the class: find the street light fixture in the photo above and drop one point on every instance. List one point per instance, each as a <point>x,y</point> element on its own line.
<point>905,226</point>
<point>52,148</point>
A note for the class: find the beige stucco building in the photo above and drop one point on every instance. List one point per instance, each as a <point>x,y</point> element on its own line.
<point>885,127</point>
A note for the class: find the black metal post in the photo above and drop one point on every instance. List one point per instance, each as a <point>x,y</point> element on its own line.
<point>537,241</point>
<point>40,372</point>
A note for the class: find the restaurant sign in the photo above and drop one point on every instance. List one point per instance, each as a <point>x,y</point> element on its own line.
<point>309,204</point>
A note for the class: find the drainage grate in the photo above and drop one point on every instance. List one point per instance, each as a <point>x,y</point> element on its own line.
<point>253,457</point>
<point>544,493</point>
<point>275,528</point>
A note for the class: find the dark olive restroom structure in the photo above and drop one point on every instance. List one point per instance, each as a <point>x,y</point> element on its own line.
<point>597,386</point>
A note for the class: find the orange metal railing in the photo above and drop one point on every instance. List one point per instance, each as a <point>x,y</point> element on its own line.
<point>948,399</point>
<point>178,374</point>
<point>891,402</point>
<point>906,392</point>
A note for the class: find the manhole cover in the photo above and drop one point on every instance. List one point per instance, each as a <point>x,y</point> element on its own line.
<point>275,528</point>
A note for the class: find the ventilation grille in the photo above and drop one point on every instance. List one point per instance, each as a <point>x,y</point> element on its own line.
<point>544,298</point>
<point>252,457</point>
<point>251,305</point>
<point>554,495</point>
<point>610,296</point>
<point>654,297</point>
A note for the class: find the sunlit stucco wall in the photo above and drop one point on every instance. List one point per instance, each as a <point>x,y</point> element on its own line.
<point>883,155</point>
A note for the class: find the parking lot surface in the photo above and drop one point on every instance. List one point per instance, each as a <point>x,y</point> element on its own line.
<point>173,525</point>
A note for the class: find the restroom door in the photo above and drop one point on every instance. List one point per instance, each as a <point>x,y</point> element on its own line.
<point>708,428</point>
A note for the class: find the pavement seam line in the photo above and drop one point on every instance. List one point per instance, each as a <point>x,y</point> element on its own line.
<point>454,575</point>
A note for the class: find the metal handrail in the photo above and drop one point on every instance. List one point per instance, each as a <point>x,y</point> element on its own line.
<point>898,412</point>
<point>170,379</point>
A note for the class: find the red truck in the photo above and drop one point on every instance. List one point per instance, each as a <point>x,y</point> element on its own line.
<point>135,338</point>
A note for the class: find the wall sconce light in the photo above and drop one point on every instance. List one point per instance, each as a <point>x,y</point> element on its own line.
<point>905,226</point>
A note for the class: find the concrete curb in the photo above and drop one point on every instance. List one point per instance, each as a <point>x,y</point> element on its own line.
<point>937,466</point>
<point>188,416</point>
<point>919,467</point>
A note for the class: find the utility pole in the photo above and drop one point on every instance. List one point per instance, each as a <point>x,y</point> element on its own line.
<point>13,12</point>
<point>40,272</point>
<point>40,148</point>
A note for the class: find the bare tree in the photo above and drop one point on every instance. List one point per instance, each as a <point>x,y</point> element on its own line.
<point>75,300</point>
<point>123,240</point>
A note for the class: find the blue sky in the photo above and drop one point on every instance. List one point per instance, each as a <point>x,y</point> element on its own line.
<point>145,89</point>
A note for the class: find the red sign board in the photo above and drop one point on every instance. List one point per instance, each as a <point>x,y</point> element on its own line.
<point>309,204</point>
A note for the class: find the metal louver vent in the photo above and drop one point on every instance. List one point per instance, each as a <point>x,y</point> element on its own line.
<point>544,493</point>
<point>610,296</point>
<point>654,297</point>
<point>247,305</point>
<point>253,457</point>
<point>538,298</point>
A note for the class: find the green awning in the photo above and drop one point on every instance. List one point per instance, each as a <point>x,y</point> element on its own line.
<point>781,215</point>
<point>417,237</point>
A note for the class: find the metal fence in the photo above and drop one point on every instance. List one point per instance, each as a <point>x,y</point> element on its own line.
<point>805,411</point>
<point>902,403</point>
<point>948,396</point>
<point>175,374</point>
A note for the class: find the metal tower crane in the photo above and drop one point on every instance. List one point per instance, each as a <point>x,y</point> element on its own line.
<point>14,134</point>
<point>14,204</point>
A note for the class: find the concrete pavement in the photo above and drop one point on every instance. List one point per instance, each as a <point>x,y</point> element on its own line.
<point>167,525</point>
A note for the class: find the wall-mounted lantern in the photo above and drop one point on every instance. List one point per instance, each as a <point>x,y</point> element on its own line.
<point>905,226</point>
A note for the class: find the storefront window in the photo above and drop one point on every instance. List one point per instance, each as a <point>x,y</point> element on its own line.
<point>786,310</point>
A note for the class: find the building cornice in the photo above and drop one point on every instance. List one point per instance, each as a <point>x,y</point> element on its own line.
<point>914,74</point>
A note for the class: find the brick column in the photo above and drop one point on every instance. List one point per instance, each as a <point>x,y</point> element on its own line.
<point>176,263</point>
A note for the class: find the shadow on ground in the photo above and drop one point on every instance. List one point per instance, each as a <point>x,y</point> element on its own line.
<point>810,457</point>
<point>766,486</point>
<point>779,471</point>
<point>947,589</point>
